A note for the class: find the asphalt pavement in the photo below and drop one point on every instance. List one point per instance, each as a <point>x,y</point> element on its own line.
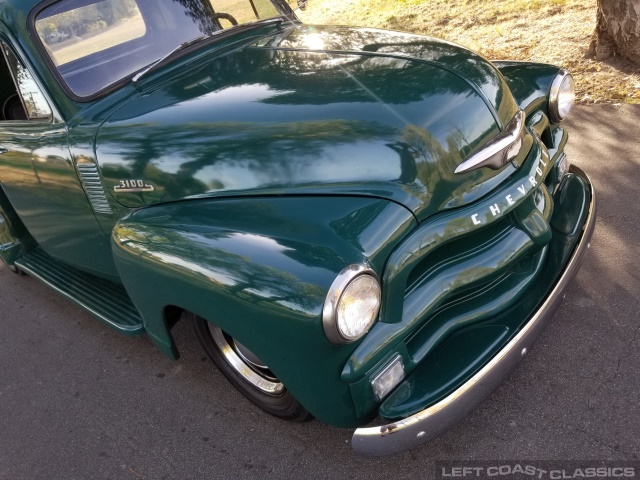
<point>80,401</point>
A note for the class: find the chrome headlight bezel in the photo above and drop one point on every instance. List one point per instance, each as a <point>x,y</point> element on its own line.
<point>556,94</point>
<point>340,285</point>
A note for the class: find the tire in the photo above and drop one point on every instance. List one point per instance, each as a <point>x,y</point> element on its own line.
<point>13,268</point>
<point>248,373</point>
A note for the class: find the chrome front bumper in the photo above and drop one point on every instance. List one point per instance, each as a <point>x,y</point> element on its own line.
<point>436,419</point>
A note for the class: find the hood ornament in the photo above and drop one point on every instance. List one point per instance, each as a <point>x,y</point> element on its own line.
<point>500,150</point>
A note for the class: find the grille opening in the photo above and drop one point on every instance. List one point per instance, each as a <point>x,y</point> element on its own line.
<point>464,302</point>
<point>458,249</point>
<point>547,137</point>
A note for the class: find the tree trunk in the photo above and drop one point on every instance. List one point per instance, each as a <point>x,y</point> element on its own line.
<point>617,30</point>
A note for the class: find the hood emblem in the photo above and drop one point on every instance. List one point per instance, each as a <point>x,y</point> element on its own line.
<point>500,150</point>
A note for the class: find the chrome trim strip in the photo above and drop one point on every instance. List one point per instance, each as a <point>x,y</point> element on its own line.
<point>497,153</point>
<point>339,285</point>
<point>263,384</point>
<point>436,419</point>
<point>92,184</point>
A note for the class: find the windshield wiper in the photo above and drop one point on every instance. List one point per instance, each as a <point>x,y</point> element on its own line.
<point>162,60</point>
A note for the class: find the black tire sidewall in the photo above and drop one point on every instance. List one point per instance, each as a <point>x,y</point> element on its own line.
<point>282,405</point>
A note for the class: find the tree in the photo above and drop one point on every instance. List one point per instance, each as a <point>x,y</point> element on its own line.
<point>617,30</point>
<point>116,10</point>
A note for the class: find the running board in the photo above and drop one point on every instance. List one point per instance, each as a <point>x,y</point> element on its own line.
<point>104,300</point>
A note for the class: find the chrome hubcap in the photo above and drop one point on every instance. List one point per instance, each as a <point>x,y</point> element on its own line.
<point>246,363</point>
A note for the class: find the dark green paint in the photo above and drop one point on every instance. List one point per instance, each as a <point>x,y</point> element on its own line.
<point>275,118</point>
<point>479,74</point>
<point>529,83</point>
<point>260,269</point>
<point>467,350</point>
<point>436,264</point>
<point>12,232</point>
<point>39,178</point>
<point>277,163</point>
<point>460,357</point>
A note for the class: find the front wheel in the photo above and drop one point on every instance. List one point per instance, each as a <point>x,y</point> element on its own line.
<point>247,372</point>
<point>13,268</point>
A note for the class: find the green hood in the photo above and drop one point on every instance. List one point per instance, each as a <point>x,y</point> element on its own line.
<point>313,111</point>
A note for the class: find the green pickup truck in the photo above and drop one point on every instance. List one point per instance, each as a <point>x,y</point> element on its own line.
<point>358,223</point>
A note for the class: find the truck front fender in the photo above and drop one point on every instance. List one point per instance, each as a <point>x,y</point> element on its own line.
<point>260,269</point>
<point>529,83</point>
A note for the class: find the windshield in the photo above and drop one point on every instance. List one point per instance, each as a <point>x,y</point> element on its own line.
<point>94,44</point>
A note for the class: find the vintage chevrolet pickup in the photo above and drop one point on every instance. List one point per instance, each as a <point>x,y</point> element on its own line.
<point>357,222</point>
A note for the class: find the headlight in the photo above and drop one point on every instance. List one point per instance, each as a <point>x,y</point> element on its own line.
<point>561,97</point>
<point>352,304</point>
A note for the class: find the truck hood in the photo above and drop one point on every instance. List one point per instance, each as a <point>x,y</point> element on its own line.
<point>312,111</point>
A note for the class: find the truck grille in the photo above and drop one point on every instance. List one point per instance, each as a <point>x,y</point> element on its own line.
<point>461,268</point>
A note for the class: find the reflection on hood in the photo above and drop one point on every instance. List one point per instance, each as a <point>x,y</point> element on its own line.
<point>319,111</point>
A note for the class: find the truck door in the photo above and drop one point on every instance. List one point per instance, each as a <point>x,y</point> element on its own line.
<point>38,174</point>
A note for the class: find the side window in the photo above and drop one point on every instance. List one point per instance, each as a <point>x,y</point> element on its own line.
<point>20,97</point>
<point>89,27</point>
